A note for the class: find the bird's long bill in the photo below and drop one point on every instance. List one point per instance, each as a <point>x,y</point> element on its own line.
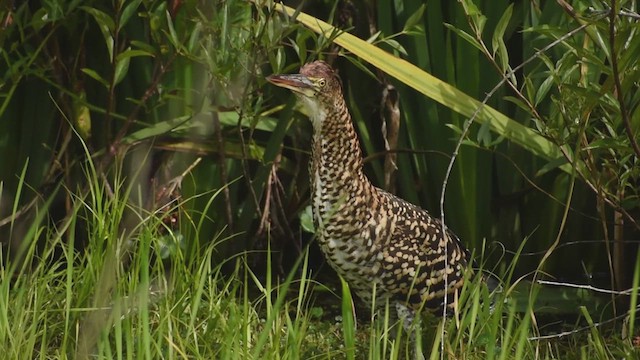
<point>294,82</point>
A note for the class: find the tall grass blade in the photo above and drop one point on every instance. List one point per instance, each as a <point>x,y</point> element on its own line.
<point>633,303</point>
<point>348,321</point>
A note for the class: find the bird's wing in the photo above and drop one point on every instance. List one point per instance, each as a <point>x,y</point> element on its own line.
<point>413,265</point>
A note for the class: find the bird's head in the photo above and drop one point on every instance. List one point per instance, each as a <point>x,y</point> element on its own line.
<point>317,86</point>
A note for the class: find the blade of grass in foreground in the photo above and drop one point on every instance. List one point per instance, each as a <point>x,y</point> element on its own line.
<point>348,322</point>
<point>274,308</point>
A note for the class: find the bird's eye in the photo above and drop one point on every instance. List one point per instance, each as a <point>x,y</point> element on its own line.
<point>322,82</point>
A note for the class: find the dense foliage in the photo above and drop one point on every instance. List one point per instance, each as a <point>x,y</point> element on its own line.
<point>139,134</point>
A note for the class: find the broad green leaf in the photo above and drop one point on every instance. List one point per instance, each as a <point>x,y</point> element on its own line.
<point>373,38</point>
<point>306,220</point>
<point>106,25</point>
<point>82,116</point>
<point>465,36</point>
<point>94,74</point>
<point>607,144</point>
<point>518,102</point>
<point>194,38</point>
<point>472,10</point>
<point>266,123</point>
<point>497,39</point>
<point>544,88</point>
<point>555,163</point>
<point>128,10</point>
<point>122,67</point>
<point>132,53</point>
<point>173,35</point>
<point>122,62</point>
<point>395,45</point>
<point>160,128</point>
<point>144,46</point>
<point>498,44</point>
<point>300,45</point>
<point>484,135</point>
<point>414,19</point>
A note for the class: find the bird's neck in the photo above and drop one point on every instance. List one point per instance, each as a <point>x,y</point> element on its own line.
<point>336,154</point>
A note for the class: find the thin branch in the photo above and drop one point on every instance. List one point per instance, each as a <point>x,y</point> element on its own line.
<point>616,79</point>
<point>563,245</point>
<point>174,183</point>
<point>505,78</point>
<point>489,95</point>
<point>587,287</point>
<point>160,69</point>
<point>23,210</point>
<point>533,184</point>
<point>589,327</point>
<point>463,135</point>
<point>222,162</point>
<point>629,13</point>
<point>384,153</point>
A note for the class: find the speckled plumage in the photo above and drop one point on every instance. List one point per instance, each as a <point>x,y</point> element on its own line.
<point>368,235</point>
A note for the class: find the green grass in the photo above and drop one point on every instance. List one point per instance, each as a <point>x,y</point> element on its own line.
<point>121,295</point>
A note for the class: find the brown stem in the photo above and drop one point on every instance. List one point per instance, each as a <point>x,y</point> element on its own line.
<point>217,129</point>
<point>616,78</point>
<point>618,241</point>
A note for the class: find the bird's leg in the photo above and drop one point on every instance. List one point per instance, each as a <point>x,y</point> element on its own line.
<point>407,316</point>
<point>412,325</point>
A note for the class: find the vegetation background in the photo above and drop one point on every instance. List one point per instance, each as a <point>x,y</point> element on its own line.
<point>153,186</point>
